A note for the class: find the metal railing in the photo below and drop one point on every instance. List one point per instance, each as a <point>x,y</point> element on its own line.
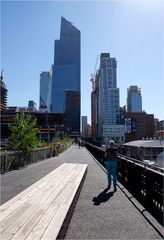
<point>143,182</point>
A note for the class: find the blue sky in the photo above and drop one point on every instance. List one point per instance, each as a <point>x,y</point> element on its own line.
<point>131,31</point>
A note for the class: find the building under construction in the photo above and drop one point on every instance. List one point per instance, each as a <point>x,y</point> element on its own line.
<point>3,94</point>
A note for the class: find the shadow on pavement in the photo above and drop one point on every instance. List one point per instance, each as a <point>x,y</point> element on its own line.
<point>104,196</point>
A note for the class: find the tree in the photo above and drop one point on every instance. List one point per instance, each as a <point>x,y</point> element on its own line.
<point>23,133</point>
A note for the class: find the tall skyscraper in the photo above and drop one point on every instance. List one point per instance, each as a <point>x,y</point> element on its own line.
<point>45,91</point>
<point>134,99</point>
<point>109,97</point>
<point>109,107</point>
<point>84,125</point>
<point>66,72</point>
<point>95,106</point>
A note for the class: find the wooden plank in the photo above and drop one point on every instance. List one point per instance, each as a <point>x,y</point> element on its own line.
<point>45,221</point>
<point>27,228</point>
<point>21,197</point>
<point>57,221</point>
<point>32,206</point>
<point>41,209</point>
<point>39,205</point>
<point>28,206</point>
<point>11,212</point>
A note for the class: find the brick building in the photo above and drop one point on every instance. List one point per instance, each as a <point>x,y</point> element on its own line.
<point>138,125</point>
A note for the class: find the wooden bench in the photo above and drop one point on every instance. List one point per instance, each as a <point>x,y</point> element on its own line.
<point>39,211</point>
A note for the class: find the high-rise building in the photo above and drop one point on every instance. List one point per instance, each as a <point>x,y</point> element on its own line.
<point>84,126</point>
<point>134,99</point>
<point>72,111</point>
<point>95,106</point>
<point>109,107</point>
<point>109,93</point>
<point>66,69</point>
<point>3,94</point>
<point>45,91</point>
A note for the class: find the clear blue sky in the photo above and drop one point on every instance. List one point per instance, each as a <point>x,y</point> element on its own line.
<point>131,31</point>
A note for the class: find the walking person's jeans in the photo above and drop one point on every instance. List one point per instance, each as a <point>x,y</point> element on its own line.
<point>111,166</point>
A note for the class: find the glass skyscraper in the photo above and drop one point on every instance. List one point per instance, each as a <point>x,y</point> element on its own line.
<point>84,122</point>
<point>45,91</point>
<point>134,99</point>
<point>66,74</point>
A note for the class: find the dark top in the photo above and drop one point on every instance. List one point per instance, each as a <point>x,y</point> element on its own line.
<point>112,154</point>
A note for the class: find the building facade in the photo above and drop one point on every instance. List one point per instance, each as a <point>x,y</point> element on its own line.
<point>72,111</point>
<point>95,106</point>
<point>66,68</point>
<point>50,125</point>
<point>84,123</point>
<point>134,99</point>
<point>115,132</point>
<point>109,106</point>
<point>138,125</point>
<point>143,149</point>
<point>45,91</point>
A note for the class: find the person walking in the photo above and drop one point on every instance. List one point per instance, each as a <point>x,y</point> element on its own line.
<point>111,159</point>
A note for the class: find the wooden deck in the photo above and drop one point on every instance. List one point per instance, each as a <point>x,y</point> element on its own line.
<point>39,211</point>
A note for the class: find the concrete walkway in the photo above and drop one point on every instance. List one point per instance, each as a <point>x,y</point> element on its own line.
<point>97,214</point>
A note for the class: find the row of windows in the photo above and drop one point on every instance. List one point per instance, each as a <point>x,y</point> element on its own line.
<point>121,128</point>
<point>116,138</point>
<point>114,131</point>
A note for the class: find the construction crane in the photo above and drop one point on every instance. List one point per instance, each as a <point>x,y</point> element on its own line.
<point>2,75</point>
<point>93,75</point>
<point>43,105</point>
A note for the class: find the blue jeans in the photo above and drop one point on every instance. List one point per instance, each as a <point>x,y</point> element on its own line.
<point>111,166</point>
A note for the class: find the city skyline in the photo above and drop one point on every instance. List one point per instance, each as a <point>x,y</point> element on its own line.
<point>30,28</point>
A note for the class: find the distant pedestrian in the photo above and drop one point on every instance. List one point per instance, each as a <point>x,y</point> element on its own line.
<point>58,148</point>
<point>79,143</point>
<point>111,159</point>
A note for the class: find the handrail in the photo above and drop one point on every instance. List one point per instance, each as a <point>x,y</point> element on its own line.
<point>145,165</point>
<point>143,182</point>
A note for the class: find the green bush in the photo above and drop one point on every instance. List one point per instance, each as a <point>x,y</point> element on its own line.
<point>23,133</point>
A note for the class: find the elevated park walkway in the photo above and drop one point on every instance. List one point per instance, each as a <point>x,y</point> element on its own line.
<point>65,197</point>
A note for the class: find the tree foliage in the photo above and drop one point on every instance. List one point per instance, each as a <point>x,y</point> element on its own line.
<point>23,133</point>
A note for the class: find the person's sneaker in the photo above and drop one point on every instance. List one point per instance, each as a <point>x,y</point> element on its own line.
<point>108,187</point>
<point>115,189</point>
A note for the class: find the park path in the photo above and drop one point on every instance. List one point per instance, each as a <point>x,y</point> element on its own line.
<point>97,214</point>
